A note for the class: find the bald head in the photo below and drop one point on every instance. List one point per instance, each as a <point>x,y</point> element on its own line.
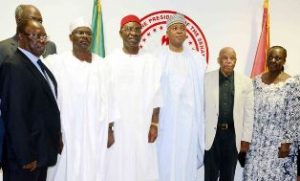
<point>32,37</point>
<point>25,11</point>
<point>227,60</point>
<point>227,50</point>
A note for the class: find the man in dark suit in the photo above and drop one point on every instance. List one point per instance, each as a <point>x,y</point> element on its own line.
<point>9,46</point>
<point>29,110</point>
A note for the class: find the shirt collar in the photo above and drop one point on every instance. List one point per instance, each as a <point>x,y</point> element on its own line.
<point>29,55</point>
<point>223,77</point>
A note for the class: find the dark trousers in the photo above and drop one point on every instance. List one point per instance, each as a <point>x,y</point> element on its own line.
<point>220,161</point>
<point>14,172</point>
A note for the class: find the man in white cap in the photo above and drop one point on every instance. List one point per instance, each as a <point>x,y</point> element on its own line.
<point>181,134</point>
<point>136,84</point>
<point>83,101</point>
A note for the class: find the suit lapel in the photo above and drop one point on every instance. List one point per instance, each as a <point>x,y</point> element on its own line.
<point>51,76</point>
<point>237,91</point>
<point>216,89</point>
<point>37,74</point>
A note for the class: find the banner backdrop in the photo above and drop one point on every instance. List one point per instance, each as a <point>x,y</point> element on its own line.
<point>235,23</point>
<point>211,25</point>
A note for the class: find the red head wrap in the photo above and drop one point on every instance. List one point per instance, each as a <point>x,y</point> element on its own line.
<point>130,18</point>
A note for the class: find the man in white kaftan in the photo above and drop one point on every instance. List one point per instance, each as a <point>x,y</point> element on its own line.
<point>136,86</point>
<point>181,133</point>
<point>83,102</point>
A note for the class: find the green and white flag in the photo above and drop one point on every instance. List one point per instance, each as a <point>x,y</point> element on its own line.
<point>97,27</point>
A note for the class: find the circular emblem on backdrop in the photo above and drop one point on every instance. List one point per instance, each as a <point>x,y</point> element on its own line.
<point>154,32</point>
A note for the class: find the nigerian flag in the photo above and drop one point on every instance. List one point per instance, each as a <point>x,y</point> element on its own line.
<point>97,27</point>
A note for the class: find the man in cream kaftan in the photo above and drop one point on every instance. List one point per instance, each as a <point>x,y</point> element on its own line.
<point>181,134</point>
<point>83,102</point>
<point>136,88</point>
<point>84,121</point>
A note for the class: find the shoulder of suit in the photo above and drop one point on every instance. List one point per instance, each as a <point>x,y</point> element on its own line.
<point>212,73</point>
<point>7,50</point>
<point>51,44</point>
<point>14,59</point>
<point>8,40</point>
<point>7,44</point>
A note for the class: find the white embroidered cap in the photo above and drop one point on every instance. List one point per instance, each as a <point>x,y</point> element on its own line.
<point>177,18</point>
<point>79,22</point>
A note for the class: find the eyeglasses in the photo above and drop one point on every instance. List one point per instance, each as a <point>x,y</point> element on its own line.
<point>129,29</point>
<point>36,37</point>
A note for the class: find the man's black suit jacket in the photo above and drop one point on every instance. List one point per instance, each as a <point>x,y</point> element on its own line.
<point>10,45</point>
<point>7,48</point>
<point>30,113</point>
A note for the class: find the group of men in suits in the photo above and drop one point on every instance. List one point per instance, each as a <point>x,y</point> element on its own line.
<point>28,90</point>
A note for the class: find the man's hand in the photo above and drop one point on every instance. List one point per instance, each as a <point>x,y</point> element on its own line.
<point>243,151</point>
<point>284,150</point>
<point>298,178</point>
<point>110,138</point>
<point>152,135</point>
<point>244,146</point>
<point>30,166</point>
